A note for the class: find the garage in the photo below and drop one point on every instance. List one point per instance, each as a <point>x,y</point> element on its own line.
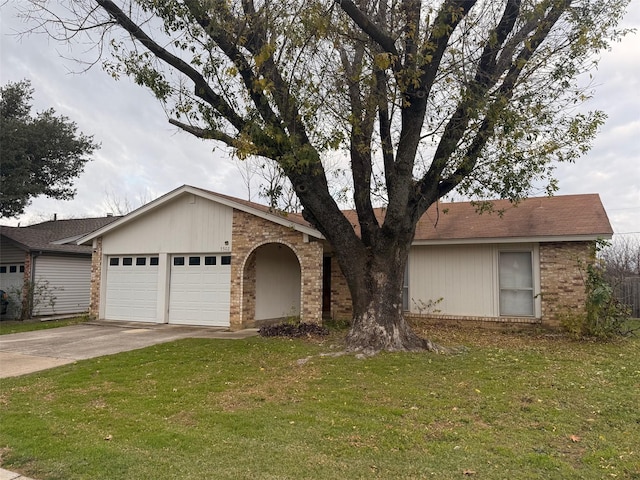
<point>11,277</point>
<point>199,290</point>
<point>132,288</point>
<point>11,281</point>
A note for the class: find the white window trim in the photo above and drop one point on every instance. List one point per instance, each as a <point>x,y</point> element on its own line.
<point>534,249</point>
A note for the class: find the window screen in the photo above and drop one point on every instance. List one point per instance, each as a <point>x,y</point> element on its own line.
<point>516,284</point>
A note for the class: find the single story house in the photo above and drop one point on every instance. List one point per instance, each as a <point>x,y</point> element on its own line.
<point>48,254</point>
<point>198,257</point>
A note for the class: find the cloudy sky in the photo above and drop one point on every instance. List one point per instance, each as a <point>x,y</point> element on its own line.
<point>142,156</point>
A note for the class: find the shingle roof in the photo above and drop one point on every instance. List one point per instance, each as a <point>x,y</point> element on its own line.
<point>43,236</point>
<point>545,218</point>
<point>558,216</point>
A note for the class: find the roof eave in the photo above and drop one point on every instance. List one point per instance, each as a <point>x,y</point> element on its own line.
<point>502,240</point>
<point>17,244</point>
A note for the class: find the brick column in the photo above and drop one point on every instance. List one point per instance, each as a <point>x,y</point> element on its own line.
<point>341,306</point>
<point>96,279</point>
<point>561,278</point>
<point>26,287</point>
<point>251,232</point>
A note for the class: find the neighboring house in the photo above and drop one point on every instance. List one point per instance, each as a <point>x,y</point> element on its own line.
<point>201,258</point>
<point>48,254</point>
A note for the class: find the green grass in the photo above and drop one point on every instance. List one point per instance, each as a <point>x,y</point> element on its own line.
<point>514,406</point>
<point>20,326</point>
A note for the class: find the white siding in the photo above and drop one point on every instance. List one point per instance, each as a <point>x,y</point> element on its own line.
<point>186,224</point>
<point>9,253</point>
<point>277,282</point>
<point>67,280</point>
<point>464,276</point>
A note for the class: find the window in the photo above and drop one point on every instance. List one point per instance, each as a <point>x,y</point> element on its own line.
<point>13,269</point>
<point>194,260</point>
<point>141,261</point>
<point>3,269</point>
<point>21,268</point>
<point>153,261</point>
<point>225,260</point>
<point>127,261</point>
<point>178,261</point>
<point>516,284</point>
<point>114,261</point>
<point>209,260</point>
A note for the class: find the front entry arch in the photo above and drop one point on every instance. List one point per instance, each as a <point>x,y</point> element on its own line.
<point>278,282</point>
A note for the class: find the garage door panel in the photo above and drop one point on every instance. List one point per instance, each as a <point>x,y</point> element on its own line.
<point>200,294</point>
<point>132,292</point>
<point>11,281</point>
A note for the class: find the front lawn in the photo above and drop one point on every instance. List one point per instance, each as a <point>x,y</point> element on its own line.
<point>21,326</point>
<point>513,406</point>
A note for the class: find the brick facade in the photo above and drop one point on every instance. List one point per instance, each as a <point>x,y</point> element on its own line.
<point>561,284</point>
<point>341,308</point>
<point>249,233</point>
<point>26,285</point>
<point>561,278</point>
<point>96,279</point>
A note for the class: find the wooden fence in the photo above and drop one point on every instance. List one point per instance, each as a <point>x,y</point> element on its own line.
<point>629,294</point>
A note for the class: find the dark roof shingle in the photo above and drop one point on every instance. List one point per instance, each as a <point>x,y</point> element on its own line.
<point>43,236</point>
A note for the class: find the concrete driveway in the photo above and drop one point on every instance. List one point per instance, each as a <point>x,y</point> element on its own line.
<point>22,353</point>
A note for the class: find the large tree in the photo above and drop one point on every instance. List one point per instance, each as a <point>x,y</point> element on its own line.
<point>39,155</point>
<point>424,97</point>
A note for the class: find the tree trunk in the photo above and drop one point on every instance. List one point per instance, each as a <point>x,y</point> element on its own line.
<point>378,321</point>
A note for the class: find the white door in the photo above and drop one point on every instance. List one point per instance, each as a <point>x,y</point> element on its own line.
<point>132,288</point>
<point>200,289</point>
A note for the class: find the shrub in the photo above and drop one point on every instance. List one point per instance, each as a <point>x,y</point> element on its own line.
<point>293,330</point>
<point>605,317</point>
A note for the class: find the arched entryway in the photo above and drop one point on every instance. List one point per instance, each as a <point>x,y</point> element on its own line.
<point>277,275</point>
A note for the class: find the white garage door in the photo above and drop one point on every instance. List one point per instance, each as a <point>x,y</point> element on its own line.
<point>11,281</point>
<point>199,292</point>
<point>132,288</point>
<point>11,277</point>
